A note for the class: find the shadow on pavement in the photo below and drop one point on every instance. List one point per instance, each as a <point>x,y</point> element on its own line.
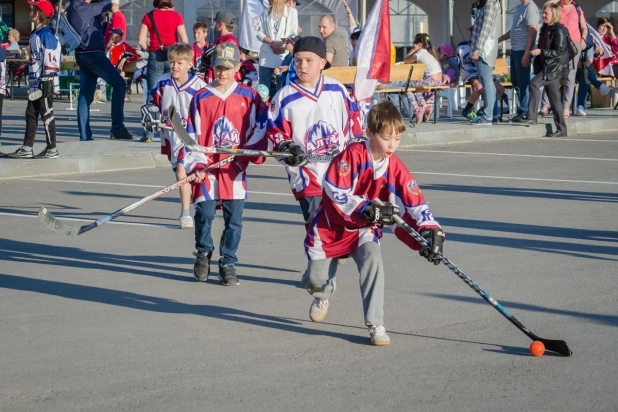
<point>162,305</point>
<point>609,320</point>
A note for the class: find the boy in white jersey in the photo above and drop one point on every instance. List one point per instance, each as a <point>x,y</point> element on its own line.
<point>44,66</point>
<point>312,114</point>
<point>178,88</point>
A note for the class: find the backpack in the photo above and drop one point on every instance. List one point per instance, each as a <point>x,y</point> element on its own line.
<point>69,39</point>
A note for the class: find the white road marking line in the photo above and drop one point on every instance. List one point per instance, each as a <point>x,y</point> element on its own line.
<point>506,154</point>
<point>517,178</point>
<point>136,185</point>
<point>90,220</point>
<point>573,140</point>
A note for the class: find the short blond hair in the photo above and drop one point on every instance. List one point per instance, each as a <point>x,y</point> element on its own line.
<point>384,118</point>
<point>15,34</point>
<point>180,51</point>
<point>555,11</point>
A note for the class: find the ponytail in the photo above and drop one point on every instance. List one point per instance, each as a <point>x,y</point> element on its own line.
<point>425,41</point>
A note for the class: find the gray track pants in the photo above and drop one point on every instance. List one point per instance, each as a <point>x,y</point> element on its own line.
<point>368,260</point>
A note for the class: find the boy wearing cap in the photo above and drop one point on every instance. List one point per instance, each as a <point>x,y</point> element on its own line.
<point>450,67</point>
<point>44,66</point>
<point>224,25</point>
<point>230,115</point>
<point>312,114</point>
<point>177,88</point>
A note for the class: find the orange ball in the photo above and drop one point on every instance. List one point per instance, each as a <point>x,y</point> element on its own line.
<point>537,348</point>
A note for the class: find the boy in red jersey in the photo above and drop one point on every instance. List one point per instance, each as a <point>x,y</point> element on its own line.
<point>230,115</point>
<point>200,33</point>
<point>349,222</point>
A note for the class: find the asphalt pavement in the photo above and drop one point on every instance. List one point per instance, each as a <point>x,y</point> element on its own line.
<point>113,320</point>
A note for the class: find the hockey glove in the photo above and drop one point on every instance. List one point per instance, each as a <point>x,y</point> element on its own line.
<point>298,159</point>
<point>46,85</point>
<point>381,214</point>
<point>435,237</point>
<point>151,118</point>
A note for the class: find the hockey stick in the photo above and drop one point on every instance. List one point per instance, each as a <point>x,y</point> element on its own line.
<point>58,226</point>
<point>558,346</point>
<point>193,146</point>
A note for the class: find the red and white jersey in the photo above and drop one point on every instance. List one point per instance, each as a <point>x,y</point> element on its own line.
<point>3,77</point>
<point>353,180</point>
<point>165,93</point>
<point>319,121</point>
<point>197,53</point>
<point>236,119</point>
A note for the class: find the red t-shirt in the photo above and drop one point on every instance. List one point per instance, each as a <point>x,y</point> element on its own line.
<point>167,21</point>
<point>118,21</point>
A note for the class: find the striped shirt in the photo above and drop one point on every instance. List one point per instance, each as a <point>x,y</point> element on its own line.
<point>525,15</point>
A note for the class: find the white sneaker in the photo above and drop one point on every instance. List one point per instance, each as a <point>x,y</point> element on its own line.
<point>186,222</point>
<point>318,310</point>
<point>378,336</point>
<point>580,111</point>
<point>605,89</point>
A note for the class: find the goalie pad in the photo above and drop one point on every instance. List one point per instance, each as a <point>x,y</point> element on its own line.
<point>151,118</point>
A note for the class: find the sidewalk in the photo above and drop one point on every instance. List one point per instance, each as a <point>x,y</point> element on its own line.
<point>104,154</point>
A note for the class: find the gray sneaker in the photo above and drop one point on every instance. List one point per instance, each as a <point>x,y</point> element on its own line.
<point>48,154</point>
<point>228,277</point>
<point>22,153</point>
<point>378,336</point>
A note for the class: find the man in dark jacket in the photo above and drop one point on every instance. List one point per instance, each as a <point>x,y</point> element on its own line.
<point>86,18</point>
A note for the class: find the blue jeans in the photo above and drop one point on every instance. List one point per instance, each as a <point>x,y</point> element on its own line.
<point>520,77</point>
<point>157,65</point>
<point>489,89</point>
<point>266,77</point>
<point>93,65</point>
<point>145,90</point>
<point>582,92</point>
<point>230,238</point>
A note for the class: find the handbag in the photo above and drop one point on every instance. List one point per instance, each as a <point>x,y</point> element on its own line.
<point>154,27</point>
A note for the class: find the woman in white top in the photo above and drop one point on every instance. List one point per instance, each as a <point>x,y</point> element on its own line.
<point>422,52</point>
<point>277,23</point>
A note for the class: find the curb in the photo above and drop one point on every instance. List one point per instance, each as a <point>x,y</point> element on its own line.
<point>15,169</point>
<point>484,133</point>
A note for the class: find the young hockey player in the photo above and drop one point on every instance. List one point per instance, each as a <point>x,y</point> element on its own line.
<point>349,221</point>
<point>178,88</point>
<point>224,27</point>
<point>312,114</point>
<point>44,67</point>
<point>200,33</point>
<point>230,115</point>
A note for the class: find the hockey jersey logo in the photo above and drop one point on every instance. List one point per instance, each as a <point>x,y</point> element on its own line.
<point>320,138</point>
<point>413,187</point>
<point>343,168</point>
<point>225,134</point>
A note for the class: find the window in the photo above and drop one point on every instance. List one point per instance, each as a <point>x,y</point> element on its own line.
<point>7,12</point>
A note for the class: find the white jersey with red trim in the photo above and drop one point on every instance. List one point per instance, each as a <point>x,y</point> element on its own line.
<point>44,57</point>
<point>319,121</point>
<point>234,119</point>
<point>353,180</point>
<point>165,93</point>
<point>2,77</point>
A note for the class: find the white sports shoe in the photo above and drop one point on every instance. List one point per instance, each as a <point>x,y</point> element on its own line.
<point>580,111</point>
<point>186,222</point>
<point>318,310</point>
<point>605,89</point>
<point>378,336</point>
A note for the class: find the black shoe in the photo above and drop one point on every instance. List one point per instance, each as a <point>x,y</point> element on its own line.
<point>201,267</point>
<point>122,134</point>
<point>557,134</point>
<point>517,118</point>
<point>528,121</point>
<point>228,276</point>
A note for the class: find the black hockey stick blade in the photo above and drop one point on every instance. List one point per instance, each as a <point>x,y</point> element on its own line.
<point>179,129</point>
<point>57,225</point>
<point>557,346</point>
